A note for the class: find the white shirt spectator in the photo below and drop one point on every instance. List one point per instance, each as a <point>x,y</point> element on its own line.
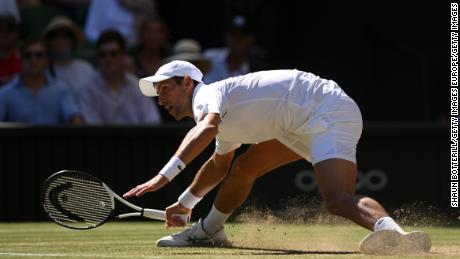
<point>100,105</point>
<point>109,14</point>
<point>74,74</point>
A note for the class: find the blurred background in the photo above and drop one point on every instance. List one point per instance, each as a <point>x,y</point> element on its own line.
<point>69,97</point>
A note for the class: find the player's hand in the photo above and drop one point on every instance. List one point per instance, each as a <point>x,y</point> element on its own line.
<point>173,215</point>
<point>154,184</point>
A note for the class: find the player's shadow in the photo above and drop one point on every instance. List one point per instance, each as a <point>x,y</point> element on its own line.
<point>270,251</point>
<point>244,250</point>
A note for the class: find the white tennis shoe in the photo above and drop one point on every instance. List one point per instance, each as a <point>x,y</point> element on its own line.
<point>195,236</point>
<point>387,242</point>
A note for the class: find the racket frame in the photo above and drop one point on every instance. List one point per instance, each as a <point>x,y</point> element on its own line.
<point>143,212</point>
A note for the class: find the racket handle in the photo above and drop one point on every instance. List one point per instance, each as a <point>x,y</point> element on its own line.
<point>161,215</point>
<point>154,214</point>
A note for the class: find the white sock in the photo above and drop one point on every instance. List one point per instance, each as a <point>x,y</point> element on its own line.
<point>387,223</point>
<point>215,220</point>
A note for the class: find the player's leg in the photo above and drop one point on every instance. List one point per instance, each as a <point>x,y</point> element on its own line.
<point>334,162</point>
<point>336,179</point>
<point>258,160</point>
<point>333,153</point>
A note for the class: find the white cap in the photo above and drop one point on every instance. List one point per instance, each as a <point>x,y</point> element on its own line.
<point>167,71</point>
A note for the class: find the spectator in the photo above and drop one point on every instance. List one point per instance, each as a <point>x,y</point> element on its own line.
<point>63,37</point>
<point>111,96</point>
<point>121,15</point>
<point>34,98</point>
<point>10,64</point>
<point>232,60</point>
<point>153,47</point>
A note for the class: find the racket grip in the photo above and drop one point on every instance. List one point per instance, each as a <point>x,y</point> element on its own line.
<point>154,214</point>
<point>161,215</point>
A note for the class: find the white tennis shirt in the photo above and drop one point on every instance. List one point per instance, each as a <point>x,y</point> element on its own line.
<point>264,105</point>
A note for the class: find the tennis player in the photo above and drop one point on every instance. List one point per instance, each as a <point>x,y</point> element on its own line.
<point>286,115</point>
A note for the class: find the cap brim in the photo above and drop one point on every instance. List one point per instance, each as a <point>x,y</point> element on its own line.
<point>147,84</point>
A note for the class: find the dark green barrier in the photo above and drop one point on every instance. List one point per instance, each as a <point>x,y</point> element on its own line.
<point>398,164</point>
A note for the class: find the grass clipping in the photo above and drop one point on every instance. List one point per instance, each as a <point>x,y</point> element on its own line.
<point>293,227</point>
<point>312,211</point>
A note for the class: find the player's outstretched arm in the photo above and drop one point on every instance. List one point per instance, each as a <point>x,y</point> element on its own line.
<point>196,140</point>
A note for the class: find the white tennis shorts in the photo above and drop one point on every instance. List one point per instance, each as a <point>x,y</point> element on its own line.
<point>332,131</point>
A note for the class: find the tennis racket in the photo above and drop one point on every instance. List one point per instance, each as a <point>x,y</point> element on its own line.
<point>78,200</point>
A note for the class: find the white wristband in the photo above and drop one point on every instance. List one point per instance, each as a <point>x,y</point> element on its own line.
<point>172,168</point>
<point>188,200</point>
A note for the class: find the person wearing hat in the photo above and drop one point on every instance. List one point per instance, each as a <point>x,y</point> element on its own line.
<point>63,37</point>
<point>286,115</point>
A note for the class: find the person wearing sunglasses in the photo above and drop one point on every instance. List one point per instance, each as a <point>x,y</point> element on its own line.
<point>36,98</point>
<point>111,95</point>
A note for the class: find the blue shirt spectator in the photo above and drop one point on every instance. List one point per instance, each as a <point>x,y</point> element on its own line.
<point>51,104</point>
<point>34,98</point>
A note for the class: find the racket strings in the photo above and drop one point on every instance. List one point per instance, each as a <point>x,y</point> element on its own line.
<point>78,201</point>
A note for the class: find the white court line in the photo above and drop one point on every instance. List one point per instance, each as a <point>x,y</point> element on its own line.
<point>28,254</point>
<point>73,255</point>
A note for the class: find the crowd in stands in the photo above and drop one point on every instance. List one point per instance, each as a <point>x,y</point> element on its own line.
<point>79,62</point>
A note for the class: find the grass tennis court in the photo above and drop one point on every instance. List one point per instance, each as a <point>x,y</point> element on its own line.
<point>258,240</point>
